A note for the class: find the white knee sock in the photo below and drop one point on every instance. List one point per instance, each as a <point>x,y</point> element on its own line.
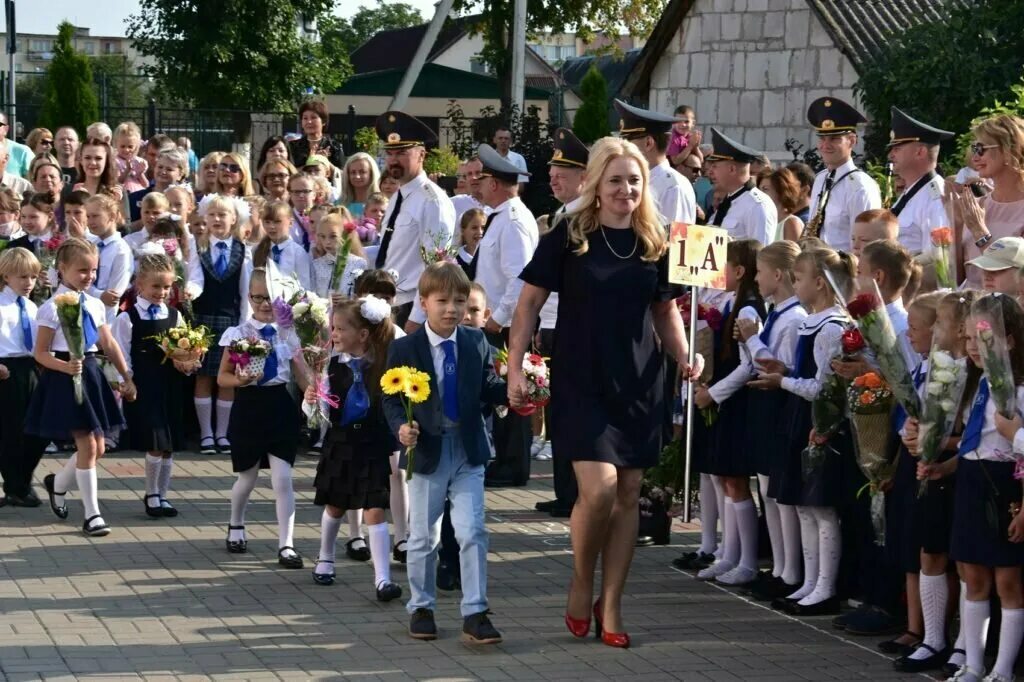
<point>240,492</point>
<point>204,412</point>
<point>380,543</point>
<point>746,525</point>
<point>164,481</point>
<point>87,487</point>
<point>958,658</point>
<point>720,501</point>
<point>708,515</point>
<point>223,417</point>
<point>790,523</point>
<point>328,541</point>
<point>1010,630</point>
<point>774,521</point>
<point>829,551</point>
<point>975,624</point>
<point>730,534</point>
<point>64,479</point>
<point>355,523</point>
<point>399,501</point>
<point>153,465</point>
<point>809,542</point>
<point>284,496</point>
<point>934,596</point>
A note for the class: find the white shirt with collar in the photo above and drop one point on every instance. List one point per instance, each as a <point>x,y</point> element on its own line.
<point>285,344</point>
<point>196,279</point>
<point>673,195</point>
<point>294,261</point>
<point>464,202</point>
<point>47,317</point>
<point>506,248</point>
<point>244,276</point>
<point>994,447</point>
<point>745,371</point>
<point>427,219</point>
<point>751,215</point>
<point>517,160</point>
<point>781,343</point>
<point>900,325</point>
<point>16,184</point>
<point>122,325</point>
<point>437,355</point>
<point>322,270</point>
<point>116,264</point>
<point>850,196</point>
<point>923,213</point>
<point>12,341</point>
<point>826,345</point>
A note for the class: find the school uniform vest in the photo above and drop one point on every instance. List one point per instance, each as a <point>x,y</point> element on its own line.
<point>221,295</point>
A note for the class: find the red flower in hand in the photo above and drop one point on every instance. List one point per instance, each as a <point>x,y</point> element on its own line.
<point>349,226</point>
<point>853,342</point>
<point>713,317</point>
<point>863,305</point>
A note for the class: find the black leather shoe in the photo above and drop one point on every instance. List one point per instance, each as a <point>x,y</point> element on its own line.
<point>933,661</point>
<point>324,579</point>
<point>694,561</point>
<point>421,624</point>
<point>97,530</point>
<point>388,591</point>
<point>448,578</point>
<point>871,621</point>
<point>477,629</point>
<point>950,669</point>
<point>29,500</point>
<point>545,506</point>
<point>62,510</point>
<point>498,483</point>
<point>644,541</point>
<point>236,546</point>
<point>292,560</point>
<point>357,553</point>
<point>154,512</point>
<point>785,604</point>
<point>399,553</point>
<point>893,646</point>
<point>168,509</point>
<point>829,607</point>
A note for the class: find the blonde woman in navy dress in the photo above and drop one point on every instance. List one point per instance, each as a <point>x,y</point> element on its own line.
<point>54,414</point>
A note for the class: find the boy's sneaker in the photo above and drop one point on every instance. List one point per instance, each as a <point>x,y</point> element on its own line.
<point>477,629</point>
<point>51,449</point>
<point>421,624</point>
<point>544,454</point>
<point>535,447</point>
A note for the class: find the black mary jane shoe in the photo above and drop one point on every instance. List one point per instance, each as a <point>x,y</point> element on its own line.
<point>893,646</point>
<point>155,512</point>
<point>62,510</point>
<point>293,561</point>
<point>97,531</point>
<point>950,669</point>
<point>167,508</point>
<point>933,661</point>
<point>694,561</point>
<point>223,446</point>
<point>388,592</point>
<point>785,604</point>
<point>357,553</point>
<point>236,546</point>
<point>325,579</point>
<point>828,607</point>
<point>399,553</point>
<point>207,446</point>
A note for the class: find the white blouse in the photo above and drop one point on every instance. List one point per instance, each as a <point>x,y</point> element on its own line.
<point>285,344</point>
<point>12,343</point>
<point>827,344</point>
<point>47,317</point>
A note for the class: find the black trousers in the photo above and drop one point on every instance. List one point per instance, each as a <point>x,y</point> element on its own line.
<point>513,436</point>
<point>19,452</point>
<point>566,490</point>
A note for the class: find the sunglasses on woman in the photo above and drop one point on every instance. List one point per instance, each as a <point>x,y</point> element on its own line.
<point>230,167</point>
<point>978,149</point>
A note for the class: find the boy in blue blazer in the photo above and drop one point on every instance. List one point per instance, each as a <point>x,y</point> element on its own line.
<point>451,452</point>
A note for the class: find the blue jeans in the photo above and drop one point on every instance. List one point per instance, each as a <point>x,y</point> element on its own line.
<point>463,484</point>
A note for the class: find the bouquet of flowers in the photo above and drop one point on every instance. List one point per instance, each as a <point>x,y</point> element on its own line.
<point>69,312</point>
<point>439,252</point>
<point>413,387</point>
<point>366,230</point>
<point>944,387</point>
<point>871,403</point>
<point>170,247</point>
<point>306,313</point>
<point>873,321</point>
<point>538,381</point>
<point>987,316</point>
<point>342,256</point>
<point>47,256</point>
<point>249,354</point>
<point>942,241</point>
<point>828,410</point>
<point>185,344</point>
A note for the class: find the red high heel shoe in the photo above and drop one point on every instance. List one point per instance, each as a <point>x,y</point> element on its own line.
<point>619,640</point>
<point>579,627</point>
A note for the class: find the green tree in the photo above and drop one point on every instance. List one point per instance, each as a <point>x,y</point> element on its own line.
<point>591,121</point>
<point>368,21</point>
<point>945,72</point>
<point>70,97</point>
<point>239,54</point>
<point>118,82</point>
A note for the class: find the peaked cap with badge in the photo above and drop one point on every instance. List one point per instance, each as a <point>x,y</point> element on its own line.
<point>569,151</point>
<point>635,122</point>
<point>905,128</point>
<point>398,130</point>
<point>496,166</point>
<point>832,116</point>
<point>726,149</point>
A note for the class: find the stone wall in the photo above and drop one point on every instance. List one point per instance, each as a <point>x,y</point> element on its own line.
<point>750,68</point>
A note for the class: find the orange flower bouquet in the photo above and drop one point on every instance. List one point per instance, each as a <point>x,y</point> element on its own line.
<point>942,242</point>
<point>871,402</point>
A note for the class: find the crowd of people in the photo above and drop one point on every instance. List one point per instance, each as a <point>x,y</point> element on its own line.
<point>147,238</point>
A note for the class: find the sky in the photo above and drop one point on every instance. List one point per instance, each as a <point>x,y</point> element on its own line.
<point>42,17</point>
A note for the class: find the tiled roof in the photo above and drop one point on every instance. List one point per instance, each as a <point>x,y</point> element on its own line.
<point>394,49</point>
<point>614,68</point>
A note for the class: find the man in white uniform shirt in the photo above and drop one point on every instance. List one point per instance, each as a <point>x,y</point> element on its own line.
<point>470,198</point>
<point>503,145</point>
<point>419,213</point>
<point>914,152</point>
<point>745,211</point>
<point>650,131</point>
<point>841,192</point>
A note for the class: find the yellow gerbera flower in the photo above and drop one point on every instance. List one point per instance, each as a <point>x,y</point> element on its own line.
<point>394,380</point>
<point>417,388</point>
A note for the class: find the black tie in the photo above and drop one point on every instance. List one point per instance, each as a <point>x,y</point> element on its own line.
<point>382,255</point>
<point>471,267</point>
<point>826,192</point>
<point>490,219</point>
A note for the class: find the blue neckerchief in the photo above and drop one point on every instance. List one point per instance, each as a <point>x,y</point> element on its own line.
<point>357,402</point>
<point>270,366</point>
<point>971,438</point>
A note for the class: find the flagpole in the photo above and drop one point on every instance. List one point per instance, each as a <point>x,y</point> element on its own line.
<point>694,305</point>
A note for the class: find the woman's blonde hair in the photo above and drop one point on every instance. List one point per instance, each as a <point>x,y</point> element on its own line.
<point>644,221</point>
<point>211,159</point>
<point>245,186</point>
<point>37,134</point>
<point>1007,132</point>
<point>348,192</point>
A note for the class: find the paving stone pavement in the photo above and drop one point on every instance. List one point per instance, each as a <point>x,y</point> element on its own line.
<point>161,599</point>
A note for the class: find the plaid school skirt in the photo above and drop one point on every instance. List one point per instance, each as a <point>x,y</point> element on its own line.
<point>217,324</point>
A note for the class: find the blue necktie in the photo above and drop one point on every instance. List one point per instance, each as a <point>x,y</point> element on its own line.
<point>899,415</point>
<point>451,391</point>
<point>275,253</point>
<point>773,317</point>
<point>270,367</point>
<point>26,325</point>
<point>100,246</point>
<point>971,439</point>
<point>804,344</point>
<point>90,334</point>
<point>357,402</point>
<point>153,309</point>
<point>220,266</point>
